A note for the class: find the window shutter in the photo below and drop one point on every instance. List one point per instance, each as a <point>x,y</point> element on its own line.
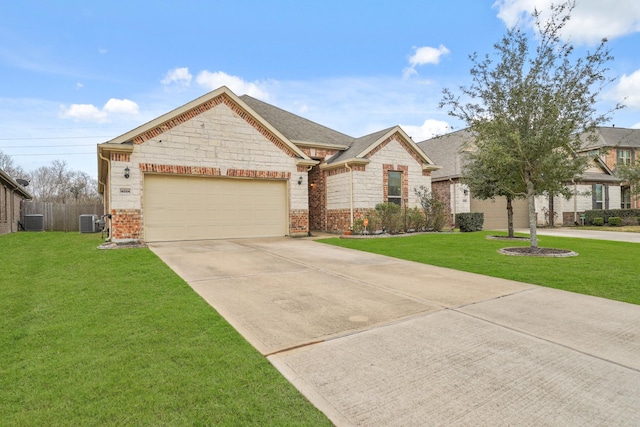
<point>593,196</point>
<point>606,196</point>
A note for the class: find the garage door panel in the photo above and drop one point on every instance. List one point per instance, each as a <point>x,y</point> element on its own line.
<point>495,213</point>
<point>194,208</point>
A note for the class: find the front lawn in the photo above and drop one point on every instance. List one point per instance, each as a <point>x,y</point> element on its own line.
<point>603,268</point>
<point>94,337</point>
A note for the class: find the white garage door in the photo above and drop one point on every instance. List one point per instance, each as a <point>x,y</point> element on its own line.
<point>495,213</point>
<point>197,208</point>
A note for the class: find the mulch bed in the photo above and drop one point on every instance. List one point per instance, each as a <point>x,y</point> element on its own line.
<point>539,252</point>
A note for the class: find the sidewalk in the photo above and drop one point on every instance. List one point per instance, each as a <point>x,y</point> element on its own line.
<point>618,236</point>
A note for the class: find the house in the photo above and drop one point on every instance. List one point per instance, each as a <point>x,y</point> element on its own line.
<point>615,146</point>
<point>448,151</point>
<point>597,188</point>
<point>224,166</point>
<point>11,196</point>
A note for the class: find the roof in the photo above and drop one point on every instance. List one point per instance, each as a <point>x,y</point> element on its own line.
<point>358,145</point>
<point>10,183</point>
<point>445,151</point>
<point>612,137</point>
<point>297,129</point>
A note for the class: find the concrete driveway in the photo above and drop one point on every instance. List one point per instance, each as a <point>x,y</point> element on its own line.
<point>376,341</point>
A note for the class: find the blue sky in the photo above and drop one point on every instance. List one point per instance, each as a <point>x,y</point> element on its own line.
<point>77,73</point>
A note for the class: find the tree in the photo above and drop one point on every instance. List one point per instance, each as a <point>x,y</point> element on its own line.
<point>631,175</point>
<point>56,183</point>
<point>528,105</point>
<point>7,164</point>
<point>487,180</point>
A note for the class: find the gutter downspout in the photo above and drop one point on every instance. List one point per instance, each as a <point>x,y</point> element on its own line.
<point>106,195</point>
<point>351,194</point>
<point>575,201</point>
<point>454,201</point>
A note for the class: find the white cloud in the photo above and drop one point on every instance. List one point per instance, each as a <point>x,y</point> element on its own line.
<point>79,85</point>
<point>429,129</point>
<point>591,20</point>
<point>181,76</point>
<point>121,106</point>
<point>213,80</point>
<point>91,113</point>
<point>102,51</point>
<point>627,90</point>
<point>424,55</point>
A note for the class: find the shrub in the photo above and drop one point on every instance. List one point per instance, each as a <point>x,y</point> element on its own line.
<point>434,208</point>
<point>597,221</point>
<point>414,219</point>
<point>605,214</point>
<point>389,215</point>
<point>471,221</point>
<point>615,221</point>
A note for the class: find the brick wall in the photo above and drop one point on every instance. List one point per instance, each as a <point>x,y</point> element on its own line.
<point>443,190</point>
<point>126,224</point>
<point>317,199</point>
<point>339,220</point>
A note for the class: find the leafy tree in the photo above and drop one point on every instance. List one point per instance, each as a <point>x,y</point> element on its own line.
<point>528,104</point>
<point>487,180</point>
<point>631,174</point>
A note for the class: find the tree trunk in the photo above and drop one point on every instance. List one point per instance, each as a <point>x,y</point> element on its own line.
<point>531,194</point>
<point>552,212</point>
<point>510,217</point>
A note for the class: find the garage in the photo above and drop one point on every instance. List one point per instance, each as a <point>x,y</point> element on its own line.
<point>495,213</point>
<point>198,208</point>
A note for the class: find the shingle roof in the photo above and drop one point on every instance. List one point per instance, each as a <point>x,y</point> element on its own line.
<point>296,128</point>
<point>613,137</point>
<point>358,145</point>
<point>445,151</point>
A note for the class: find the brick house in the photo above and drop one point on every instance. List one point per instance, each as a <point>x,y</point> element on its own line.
<point>597,188</point>
<point>224,166</point>
<point>448,151</point>
<point>614,146</point>
<point>11,196</point>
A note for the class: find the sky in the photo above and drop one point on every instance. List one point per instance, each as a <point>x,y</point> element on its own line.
<point>78,73</point>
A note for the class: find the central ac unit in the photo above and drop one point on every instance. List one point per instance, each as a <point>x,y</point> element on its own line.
<point>34,222</point>
<point>88,224</point>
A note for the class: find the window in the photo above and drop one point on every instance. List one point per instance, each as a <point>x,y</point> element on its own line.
<point>598,196</point>
<point>394,187</point>
<point>625,197</point>
<point>624,157</point>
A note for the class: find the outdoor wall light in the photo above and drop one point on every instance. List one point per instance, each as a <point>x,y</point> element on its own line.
<point>300,180</point>
<point>466,192</point>
<point>126,172</point>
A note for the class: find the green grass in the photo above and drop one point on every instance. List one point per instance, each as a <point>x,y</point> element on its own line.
<point>603,268</point>
<point>94,337</point>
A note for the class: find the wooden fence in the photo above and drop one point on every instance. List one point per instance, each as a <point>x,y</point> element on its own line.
<point>61,216</point>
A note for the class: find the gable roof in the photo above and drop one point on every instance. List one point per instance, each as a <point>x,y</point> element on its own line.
<point>445,151</point>
<point>298,129</point>
<point>194,108</point>
<point>364,147</point>
<point>11,184</point>
<point>612,137</point>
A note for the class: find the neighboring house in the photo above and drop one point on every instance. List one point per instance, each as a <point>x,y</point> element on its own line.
<point>448,151</point>
<point>224,166</point>
<point>615,146</point>
<point>597,188</point>
<point>11,196</point>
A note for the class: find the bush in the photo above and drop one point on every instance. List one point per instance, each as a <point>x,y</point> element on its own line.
<point>615,221</point>
<point>389,216</point>
<point>605,214</point>
<point>471,221</point>
<point>597,221</point>
<point>434,208</point>
<point>414,219</point>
